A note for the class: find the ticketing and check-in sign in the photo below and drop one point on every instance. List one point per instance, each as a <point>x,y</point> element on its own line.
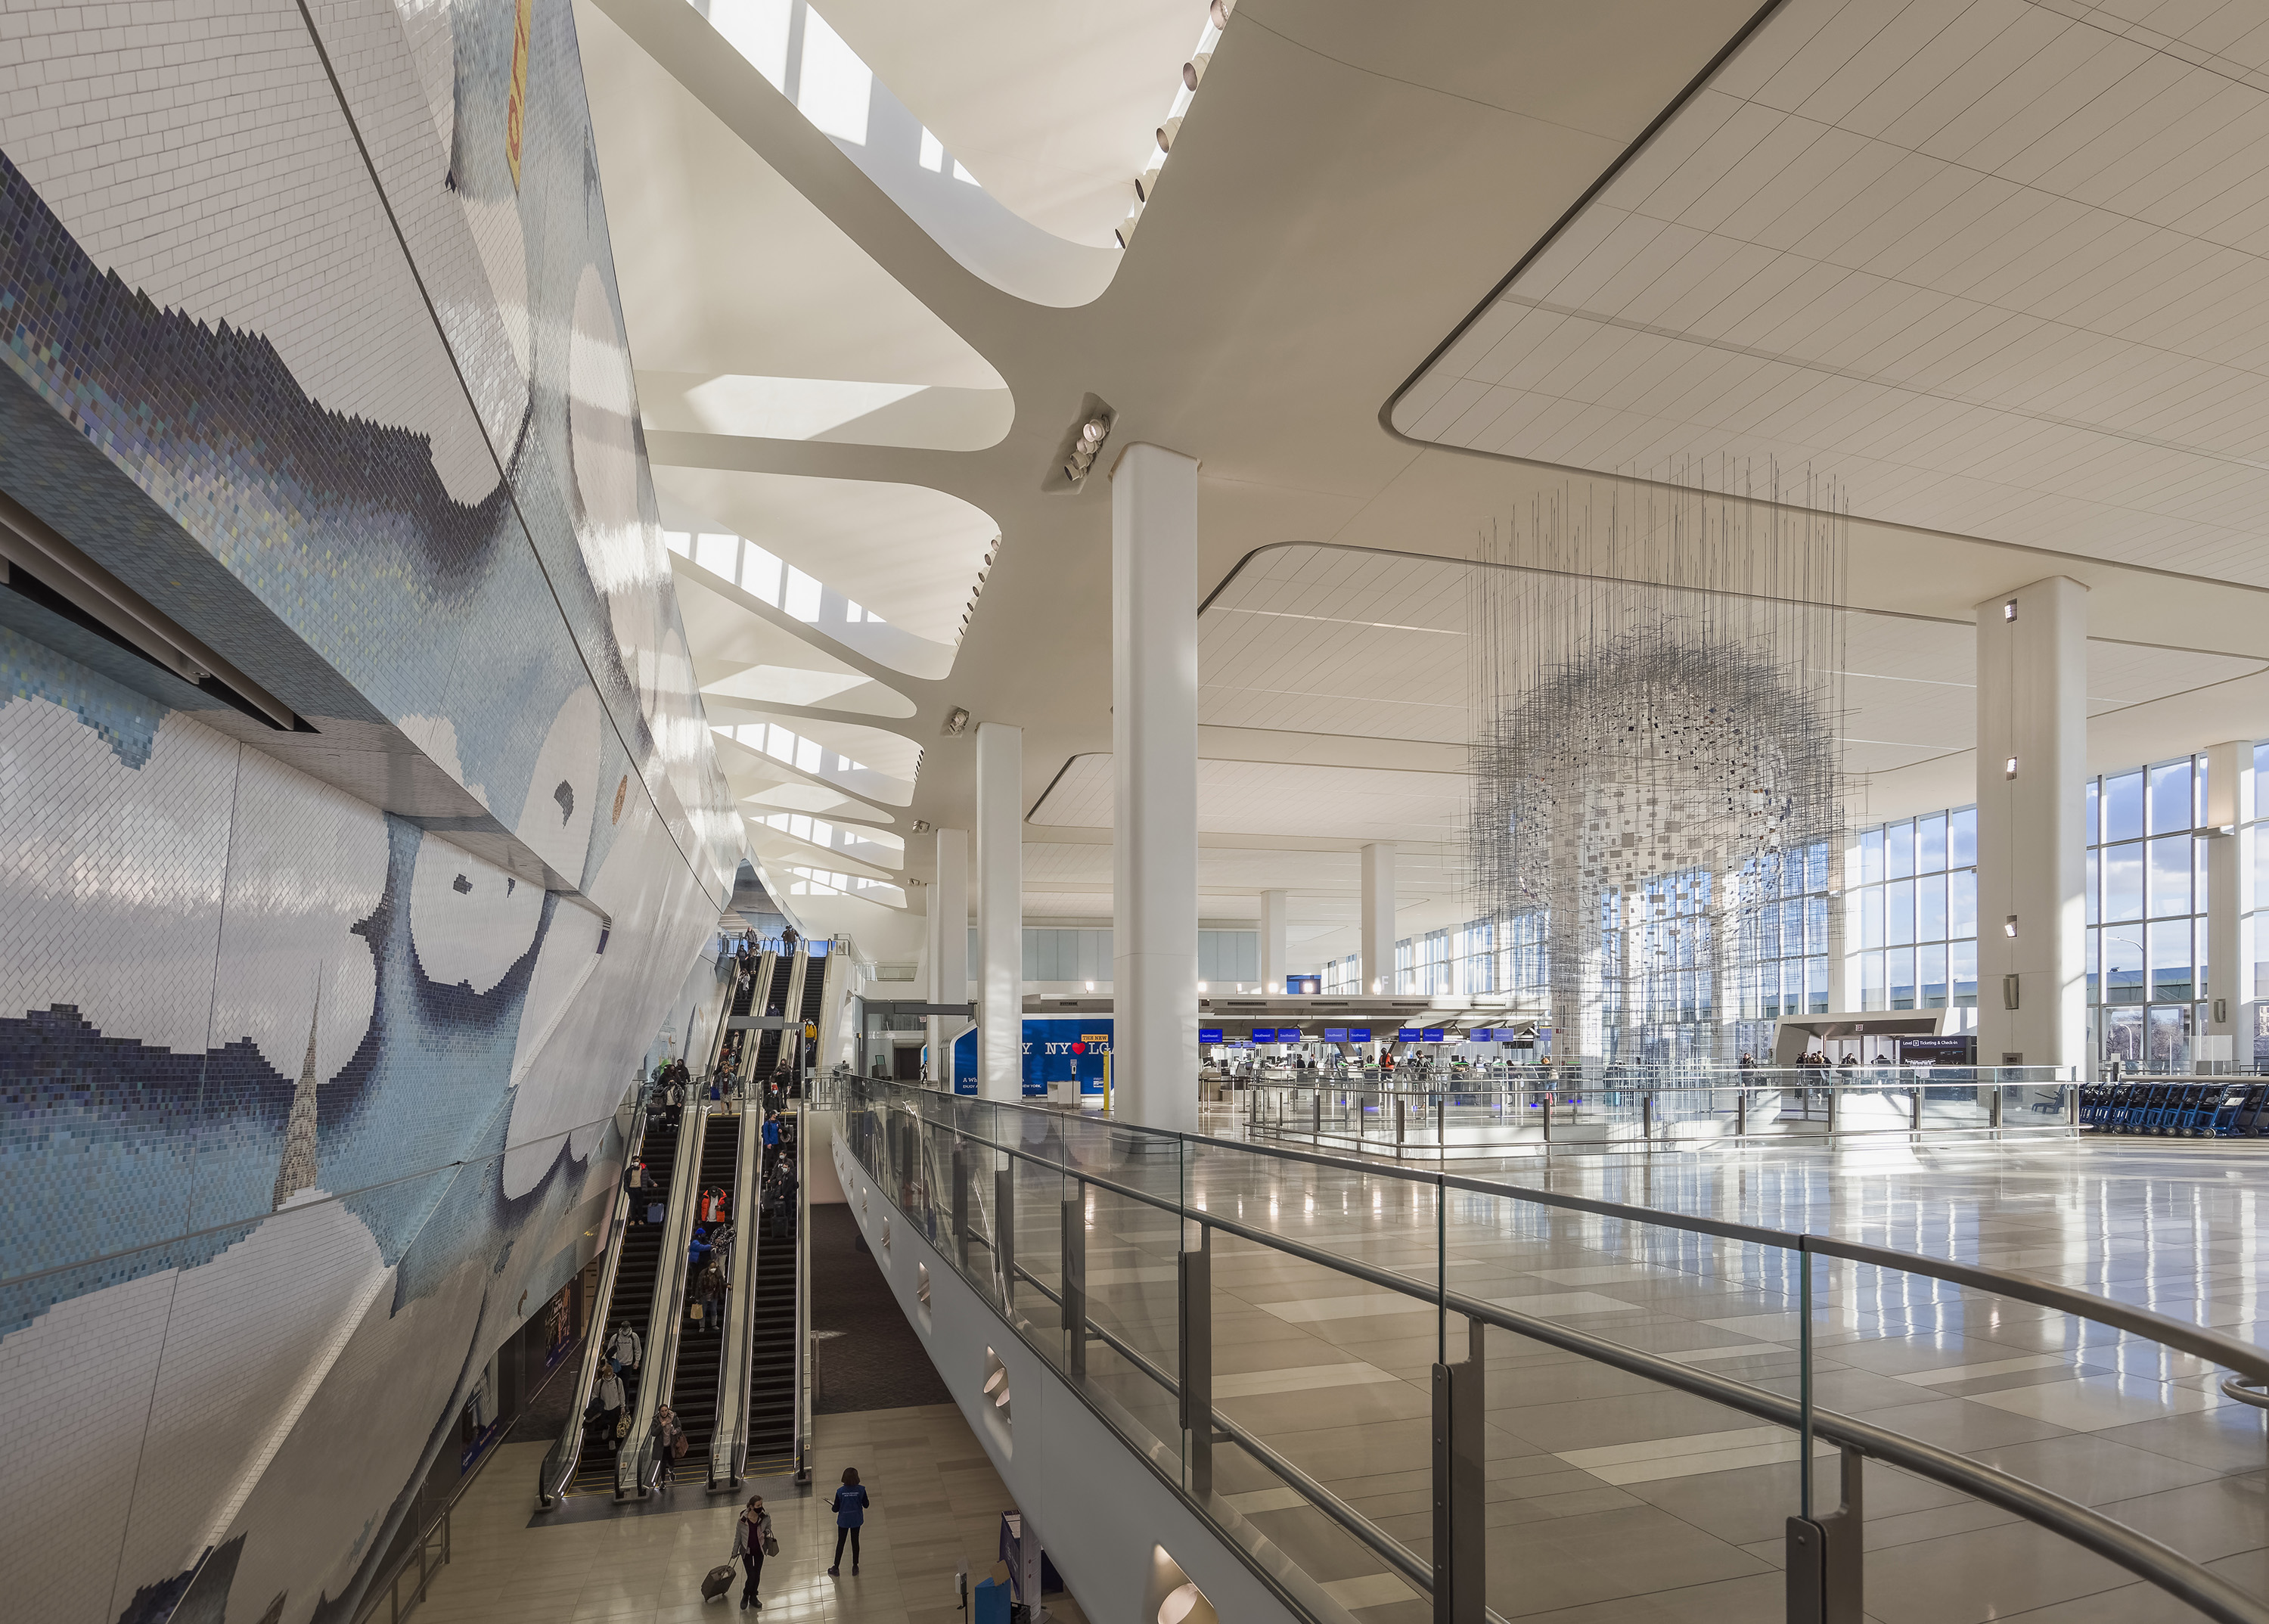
<point>1358,1034</point>
<point>1433,1035</point>
<point>1209,1034</point>
<point>1336,1034</point>
<point>1288,1034</point>
<point>1264,1034</point>
<point>1406,1034</point>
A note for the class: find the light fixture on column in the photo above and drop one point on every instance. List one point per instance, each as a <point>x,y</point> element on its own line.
<point>2009,925</point>
<point>1085,443</point>
<point>2009,610</point>
<point>2010,771</point>
<point>957,723</point>
<point>1201,987</point>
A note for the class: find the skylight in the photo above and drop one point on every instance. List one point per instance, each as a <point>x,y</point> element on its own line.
<point>804,754</point>
<point>759,574</point>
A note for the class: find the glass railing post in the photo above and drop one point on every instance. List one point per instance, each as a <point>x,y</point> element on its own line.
<point>1196,1373</point>
<point>1074,1280</point>
<point>961,1204</point>
<point>1004,1234</point>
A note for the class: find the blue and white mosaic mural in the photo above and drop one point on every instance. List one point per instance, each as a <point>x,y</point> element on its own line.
<point>311,1040</point>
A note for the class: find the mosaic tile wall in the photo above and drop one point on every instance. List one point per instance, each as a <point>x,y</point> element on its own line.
<point>312,339</point>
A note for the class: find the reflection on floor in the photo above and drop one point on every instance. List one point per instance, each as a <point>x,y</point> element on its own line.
<point>937,1501</point>
<point>1613,1498</point>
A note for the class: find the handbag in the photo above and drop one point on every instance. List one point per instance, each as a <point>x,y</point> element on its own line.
<point>772,1545</point>
<point>623,1427</point>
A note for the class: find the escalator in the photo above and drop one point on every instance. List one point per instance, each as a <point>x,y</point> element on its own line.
<point>777,987</point>
<point>632,1300</point>
<point>813,1001</point>
<point>693,1383</point>
<point>731,1040</point>
<point>772,1353</point>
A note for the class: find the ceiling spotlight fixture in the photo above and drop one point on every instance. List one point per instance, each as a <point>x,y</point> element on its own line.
<point>1085,444</point>
<point>1220,11</point>
<point>1195,70</point>
<point>1167,132</point>
<point>921,825</point>
<point>956,720</point>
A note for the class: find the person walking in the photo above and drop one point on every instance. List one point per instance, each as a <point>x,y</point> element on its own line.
<point>752,1541</point>
<point>609,1399</point>
<point>669,1444</point>
<point>623,1348</point>
<point>851,1503</point>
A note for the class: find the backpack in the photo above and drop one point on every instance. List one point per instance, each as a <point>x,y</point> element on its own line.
<point>654,1213</point>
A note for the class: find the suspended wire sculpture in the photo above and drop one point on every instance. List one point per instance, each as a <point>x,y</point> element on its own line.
<point>1657,685</point>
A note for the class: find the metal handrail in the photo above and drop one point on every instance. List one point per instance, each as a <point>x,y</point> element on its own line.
<point>2149,1559</point>
<point>663,1318</point>
<point>559,1463</point>
<point>728,1438</point>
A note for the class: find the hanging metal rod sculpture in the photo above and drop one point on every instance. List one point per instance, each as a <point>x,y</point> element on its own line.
<point>1657,680</point>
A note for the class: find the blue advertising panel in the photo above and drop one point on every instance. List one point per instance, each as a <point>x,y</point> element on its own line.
<point>1406,1034</point>
<point>1209,1034</point>
<point>1264,1034</point>
<point>1304,984</point>
<point>1059,1050</point>
<point>965,1062</point>
<point>1358,1034</point>
<point>1433,1035</point>
<point>1336,1034</point>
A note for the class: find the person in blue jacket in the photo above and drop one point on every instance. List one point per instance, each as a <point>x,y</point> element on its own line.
<point>851,1503</point>
<point>697,1250</point>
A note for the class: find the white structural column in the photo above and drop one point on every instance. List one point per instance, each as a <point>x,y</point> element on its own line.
<point>2229,790</point>
<point>1000,911</point>
<point>1377,963</point>
<point>2032,746</point>
<point>1154,743</point>
<point>1273,961</point>
<point>949,902</point>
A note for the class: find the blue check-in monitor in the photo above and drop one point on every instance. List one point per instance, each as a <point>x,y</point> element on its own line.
<point>1209,1034</point>
<point>1358,1034</point>
<point>1406,1034</point>
<point>1433,1035</point>
<point>1336,1034</point>
<point>1264,1034</point>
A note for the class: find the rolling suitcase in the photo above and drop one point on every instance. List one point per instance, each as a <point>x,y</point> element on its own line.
<point>717,1582</point>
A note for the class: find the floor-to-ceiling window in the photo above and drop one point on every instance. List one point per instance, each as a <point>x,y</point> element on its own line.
<point>2146,910</point>
<point>1910,915</point>
<point>1780,964</point>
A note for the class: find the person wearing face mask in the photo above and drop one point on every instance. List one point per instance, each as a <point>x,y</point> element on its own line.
<point>753,1542</point>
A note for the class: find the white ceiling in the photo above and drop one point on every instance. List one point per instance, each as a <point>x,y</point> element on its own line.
<point>1996,267</point>
<point>1051,106</point>
<point>1991,266</point>
<point>1274,798</point>
<point>911,553</point>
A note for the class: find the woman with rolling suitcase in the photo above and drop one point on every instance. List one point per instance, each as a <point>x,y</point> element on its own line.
<point>753,1542</point>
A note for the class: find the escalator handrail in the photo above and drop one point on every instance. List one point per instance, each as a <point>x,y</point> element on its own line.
<point>728,1438</point>
<point>559,1464</point>
<point>668,1288</point>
